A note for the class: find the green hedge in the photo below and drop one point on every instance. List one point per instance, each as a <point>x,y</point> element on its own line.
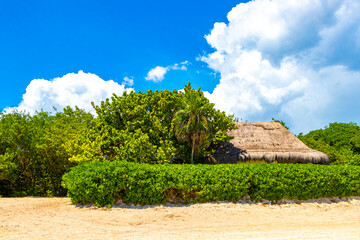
<point>103,183</point>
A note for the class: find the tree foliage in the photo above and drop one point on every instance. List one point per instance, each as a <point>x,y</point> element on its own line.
<point>192,121</point>
<point>340,141</point>
<point>135,127</point>
<point>33,155</point>
<point>143,127</point>
<point>35,151</point>
<point>197,122</point>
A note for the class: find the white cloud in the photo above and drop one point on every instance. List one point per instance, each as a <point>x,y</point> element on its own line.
<point>293,60</point>
<point>128,81</point>
<point>178,67</point>
<point>157,74</point>
<point>72,89</point>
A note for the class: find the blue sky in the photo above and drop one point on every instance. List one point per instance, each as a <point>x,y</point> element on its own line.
<point>112,39</point>
<point>298,61</point>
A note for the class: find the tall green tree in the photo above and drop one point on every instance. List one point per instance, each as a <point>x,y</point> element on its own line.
<point>134,127</point>
<point>197,121</point>
<point>192,121</point>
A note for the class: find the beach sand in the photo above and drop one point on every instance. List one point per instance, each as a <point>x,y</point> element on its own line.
<point>57,218</point>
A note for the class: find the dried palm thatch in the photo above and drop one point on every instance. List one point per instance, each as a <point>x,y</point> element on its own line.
<point>268,142</point>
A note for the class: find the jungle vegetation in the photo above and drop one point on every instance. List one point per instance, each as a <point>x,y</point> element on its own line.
<point>152,127</point>
<point>143,127</point>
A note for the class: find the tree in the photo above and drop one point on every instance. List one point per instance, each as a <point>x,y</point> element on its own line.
<point>340,141</point>
<point>197,121</point>
<point>140,127</point>
<point>192,121</point>
<point>133,127</point>
<point>33,154</point>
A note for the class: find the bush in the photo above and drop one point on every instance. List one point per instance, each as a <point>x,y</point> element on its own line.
<point>103,183</point>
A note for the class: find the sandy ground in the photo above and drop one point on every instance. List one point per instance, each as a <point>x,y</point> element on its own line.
<point>57,218</point>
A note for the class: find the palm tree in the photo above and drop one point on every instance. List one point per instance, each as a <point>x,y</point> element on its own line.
<point>192,121</point>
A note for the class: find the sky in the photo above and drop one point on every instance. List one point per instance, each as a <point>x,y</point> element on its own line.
<point>296,61</point>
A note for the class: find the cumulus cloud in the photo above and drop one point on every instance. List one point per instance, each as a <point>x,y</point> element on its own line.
<point>73,89</point>
<point>157,74</point>
<point>294,60</point>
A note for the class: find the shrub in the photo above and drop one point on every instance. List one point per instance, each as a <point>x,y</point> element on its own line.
<point>102,183</point>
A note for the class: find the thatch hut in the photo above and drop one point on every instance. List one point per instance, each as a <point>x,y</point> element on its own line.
<point>268,142</point>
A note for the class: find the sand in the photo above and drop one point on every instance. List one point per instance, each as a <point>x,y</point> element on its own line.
<point>57,218</point>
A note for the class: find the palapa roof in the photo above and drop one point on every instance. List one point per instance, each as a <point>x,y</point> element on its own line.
<point>265,141</point>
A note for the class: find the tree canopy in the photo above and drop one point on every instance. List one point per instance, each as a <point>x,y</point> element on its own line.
<point>33,150</point>
<point>36,150</point>
<point>340,141</point>
<point>144,127</point>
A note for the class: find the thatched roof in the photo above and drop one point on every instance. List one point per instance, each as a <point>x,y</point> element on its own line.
<point>265,141</point>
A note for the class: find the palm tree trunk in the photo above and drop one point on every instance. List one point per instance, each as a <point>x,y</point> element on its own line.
<point>192,151</point>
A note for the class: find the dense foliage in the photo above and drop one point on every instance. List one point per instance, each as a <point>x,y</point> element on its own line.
<point>153,127</point>
<point>158,127</point>
<point>33,150</point>
<point>340,141</point>
<point>198,123</point>
<point>104,183</point>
